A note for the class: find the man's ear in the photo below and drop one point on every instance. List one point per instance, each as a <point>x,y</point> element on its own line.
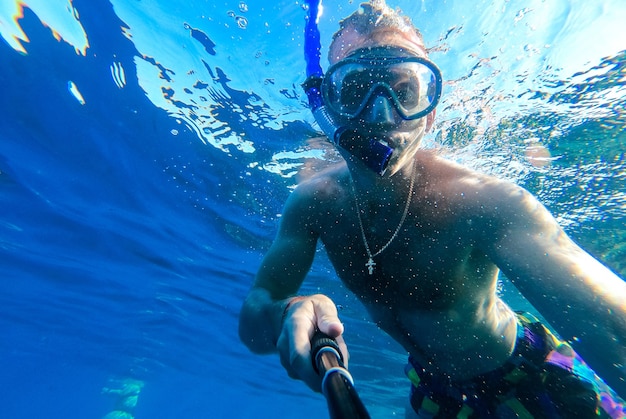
<point>430,119</point>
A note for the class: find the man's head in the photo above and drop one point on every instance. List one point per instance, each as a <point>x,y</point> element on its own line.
<point>371,102</point>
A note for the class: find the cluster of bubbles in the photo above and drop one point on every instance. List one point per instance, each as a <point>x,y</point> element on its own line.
<point>241,21</point>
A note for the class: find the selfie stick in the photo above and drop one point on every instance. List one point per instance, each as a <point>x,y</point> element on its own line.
<point>337,384</point>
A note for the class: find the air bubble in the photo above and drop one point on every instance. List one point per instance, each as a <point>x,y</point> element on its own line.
<point>242,22</point>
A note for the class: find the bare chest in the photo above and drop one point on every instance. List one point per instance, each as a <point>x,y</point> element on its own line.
<point>428,264</point>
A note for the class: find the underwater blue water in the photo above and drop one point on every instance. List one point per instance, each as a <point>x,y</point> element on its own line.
<point>147,146</point>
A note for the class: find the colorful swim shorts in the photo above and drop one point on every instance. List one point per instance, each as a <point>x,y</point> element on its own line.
<point>544,378</point>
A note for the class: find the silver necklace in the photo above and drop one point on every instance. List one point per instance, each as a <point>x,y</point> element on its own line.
<point>370,262</point>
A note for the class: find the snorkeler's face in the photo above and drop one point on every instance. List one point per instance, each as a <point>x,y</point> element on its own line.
<point>378,114</point>
<point>383,92</point>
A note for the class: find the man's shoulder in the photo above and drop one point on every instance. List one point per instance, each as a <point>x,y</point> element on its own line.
<point>441,170</point>
<point>452,179</point>
<point>321,192</point>
<point>325,184</point>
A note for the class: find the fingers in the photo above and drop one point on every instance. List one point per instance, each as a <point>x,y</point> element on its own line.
<point>328,322</point>
<point>326,316</point>
<point>294,342</point>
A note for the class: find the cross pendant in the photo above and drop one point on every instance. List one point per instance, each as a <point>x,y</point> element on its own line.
<point>370,266</point>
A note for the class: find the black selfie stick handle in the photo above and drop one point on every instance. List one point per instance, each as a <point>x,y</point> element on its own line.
<point>337,384</point>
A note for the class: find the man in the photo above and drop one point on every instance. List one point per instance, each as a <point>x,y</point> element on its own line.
<point>422,246</point>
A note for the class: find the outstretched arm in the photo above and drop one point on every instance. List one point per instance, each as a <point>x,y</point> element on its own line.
<point>272,319</point>
<point>581,298</point>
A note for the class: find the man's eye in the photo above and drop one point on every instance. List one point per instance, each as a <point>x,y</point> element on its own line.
<point>407,92</point>
<point>353,87</point>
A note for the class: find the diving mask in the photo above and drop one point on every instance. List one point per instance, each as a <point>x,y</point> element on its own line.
<point>412,84</point>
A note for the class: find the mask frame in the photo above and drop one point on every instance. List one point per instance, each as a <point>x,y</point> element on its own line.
<point>391,71</point>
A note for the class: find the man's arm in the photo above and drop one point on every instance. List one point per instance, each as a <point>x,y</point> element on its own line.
<point>581,298</point>
<point>282,271</point>
<point>271,319</point>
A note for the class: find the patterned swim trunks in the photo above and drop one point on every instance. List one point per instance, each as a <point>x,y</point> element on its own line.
<point>544,378</point>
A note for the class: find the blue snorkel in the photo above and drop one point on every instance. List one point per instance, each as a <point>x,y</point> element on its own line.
<point>373,153</point>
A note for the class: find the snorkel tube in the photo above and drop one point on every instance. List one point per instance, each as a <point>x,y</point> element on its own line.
<point>373,153</point>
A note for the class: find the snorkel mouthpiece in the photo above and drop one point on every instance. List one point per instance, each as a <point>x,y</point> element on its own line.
<point>372,152</point>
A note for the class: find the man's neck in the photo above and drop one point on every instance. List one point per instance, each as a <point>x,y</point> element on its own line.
<point>369,185</point>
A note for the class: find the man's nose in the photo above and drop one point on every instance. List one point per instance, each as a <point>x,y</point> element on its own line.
<point>379,110</point>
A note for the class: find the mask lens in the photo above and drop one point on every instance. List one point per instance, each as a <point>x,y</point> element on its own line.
<point>354,86</point>
<point>349,87</point>
<point>413,84</point>
<point>405,82</point>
